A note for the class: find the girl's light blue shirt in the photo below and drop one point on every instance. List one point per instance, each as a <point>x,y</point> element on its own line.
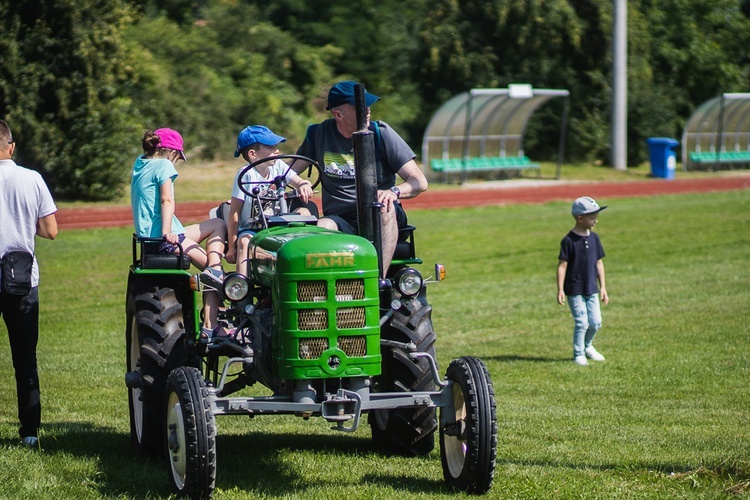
<point>148,176</point>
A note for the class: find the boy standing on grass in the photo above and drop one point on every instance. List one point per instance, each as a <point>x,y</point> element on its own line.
<point>579,268</point>
<point>255,143</point>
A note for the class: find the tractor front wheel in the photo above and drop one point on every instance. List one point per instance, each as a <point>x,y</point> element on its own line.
<point>190,434</point>
<point>468,429</point>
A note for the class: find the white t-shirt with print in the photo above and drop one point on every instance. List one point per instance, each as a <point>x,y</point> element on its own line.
<point>249,213</point>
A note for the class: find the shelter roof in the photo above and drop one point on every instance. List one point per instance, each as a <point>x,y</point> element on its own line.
<point>484,122</point>
<point>720,124</point>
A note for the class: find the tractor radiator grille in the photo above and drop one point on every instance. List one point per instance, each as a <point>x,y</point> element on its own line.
<point>312,319</point>
<point>353,289</point>
<point>353,346</point>
<point>312,348</point>
<point>312,291</point>
<point>317,291</point>
<point>350,317</point>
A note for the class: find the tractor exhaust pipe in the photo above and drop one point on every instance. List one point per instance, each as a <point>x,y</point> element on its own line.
<point>366,178</point>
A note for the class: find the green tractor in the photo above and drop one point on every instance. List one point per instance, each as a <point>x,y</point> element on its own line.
<point>317,323</point>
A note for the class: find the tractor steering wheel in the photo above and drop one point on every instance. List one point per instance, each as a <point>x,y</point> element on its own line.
<point>251,188</point>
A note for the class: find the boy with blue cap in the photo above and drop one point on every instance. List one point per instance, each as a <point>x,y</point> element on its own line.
<point>254,143</point>
<point>579,268</point>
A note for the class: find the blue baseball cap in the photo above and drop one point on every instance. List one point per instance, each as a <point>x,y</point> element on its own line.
<point>343,93</point>
<point>255,134</point>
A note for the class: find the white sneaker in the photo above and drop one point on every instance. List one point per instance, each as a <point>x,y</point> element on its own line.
<point>593,354</point>
<point>31,442</point>
<point>581,360</point>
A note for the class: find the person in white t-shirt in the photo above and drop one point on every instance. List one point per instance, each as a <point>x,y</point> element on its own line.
<point>255,143</point>
<point>26,210</point>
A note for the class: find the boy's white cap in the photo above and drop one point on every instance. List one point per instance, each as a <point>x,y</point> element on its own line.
<point>585,205</point>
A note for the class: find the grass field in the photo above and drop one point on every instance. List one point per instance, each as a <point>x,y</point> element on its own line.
<point>666,416</point>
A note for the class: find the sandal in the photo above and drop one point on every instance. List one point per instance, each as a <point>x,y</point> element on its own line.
<point>216,273</point>
<point>219,331</point>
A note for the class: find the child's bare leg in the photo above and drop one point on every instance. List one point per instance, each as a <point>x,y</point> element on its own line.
<point>210,309</point>
<point>214,232</point>
<point>303,211</point>
<point>243,256</point>
<point>210,298</point>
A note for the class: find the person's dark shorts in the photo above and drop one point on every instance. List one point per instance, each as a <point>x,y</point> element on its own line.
<point>166,247</point>
<point>242,232</point>
<point>296,204</point>
<point>349,224</point>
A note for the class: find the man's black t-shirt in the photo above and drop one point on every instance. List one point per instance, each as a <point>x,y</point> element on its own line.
<point>335,154</point>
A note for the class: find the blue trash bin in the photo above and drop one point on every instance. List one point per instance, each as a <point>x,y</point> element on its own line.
<point>662,156</point>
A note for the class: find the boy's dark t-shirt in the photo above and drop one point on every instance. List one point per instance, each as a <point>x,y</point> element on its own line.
<point>582,254</point>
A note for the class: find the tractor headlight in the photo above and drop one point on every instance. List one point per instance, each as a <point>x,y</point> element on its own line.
<point>408,281</point>
<point>236,287</point>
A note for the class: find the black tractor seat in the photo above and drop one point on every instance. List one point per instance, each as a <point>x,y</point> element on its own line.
<point>147,250</point>
<point>405,245</point>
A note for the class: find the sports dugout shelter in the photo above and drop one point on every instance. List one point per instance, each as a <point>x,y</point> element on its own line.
<point>717,134</point>
<point>483,130</point>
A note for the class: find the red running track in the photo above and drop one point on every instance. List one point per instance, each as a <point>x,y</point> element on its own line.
<point>496,193</point>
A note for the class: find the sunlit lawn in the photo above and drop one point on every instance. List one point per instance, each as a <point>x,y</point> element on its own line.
<point>665,416</point>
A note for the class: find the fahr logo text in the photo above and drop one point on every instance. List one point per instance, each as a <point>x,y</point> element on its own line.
<point>329,260</point>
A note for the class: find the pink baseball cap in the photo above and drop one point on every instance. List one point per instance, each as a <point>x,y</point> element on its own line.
<point>171,139</point>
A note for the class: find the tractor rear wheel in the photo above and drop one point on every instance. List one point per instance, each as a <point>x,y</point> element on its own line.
<point>190,434</point>
<point>406,431</point>
<point>155,346</point>
<point>468,430</point>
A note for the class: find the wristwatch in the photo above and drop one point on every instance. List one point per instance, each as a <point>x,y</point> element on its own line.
<point>397,191</point>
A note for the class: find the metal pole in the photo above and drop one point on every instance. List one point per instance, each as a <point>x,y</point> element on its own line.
<point>720,136</point>
<point>366,178</point>
<point>620,85</point>
<point>467,133</point>
<point>563,137</point>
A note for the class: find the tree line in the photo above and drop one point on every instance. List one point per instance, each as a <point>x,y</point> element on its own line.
<point>81,80</point>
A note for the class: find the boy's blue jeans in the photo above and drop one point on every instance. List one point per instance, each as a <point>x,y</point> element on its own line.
<point>588,320</point>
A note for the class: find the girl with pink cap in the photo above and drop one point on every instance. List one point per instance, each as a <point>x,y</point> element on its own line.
<point>152,199</point>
